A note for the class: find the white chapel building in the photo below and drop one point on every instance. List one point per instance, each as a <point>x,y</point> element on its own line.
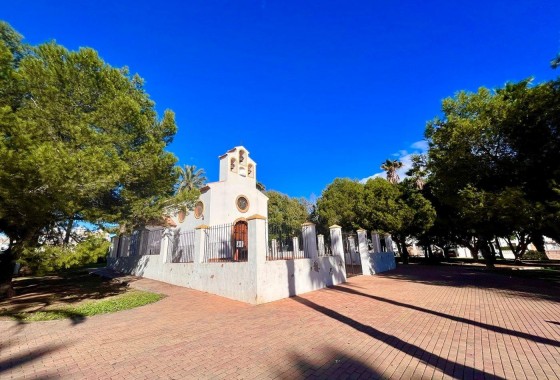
<point>230,200</point>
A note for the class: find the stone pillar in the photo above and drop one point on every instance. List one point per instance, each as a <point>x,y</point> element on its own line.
<point>375,241</point>
<point>114,247</point>
<point>166,245</point>
<point>362,243</point>
<point>257,239</point>
<point>295,247</point>
<point>364,251</point>
<point>199,243</point>
<point>320,245</point>
<point>309,239</point>
<point>274,249</point>
<point>123,246</point>
<point>389,243</point>
<point>140,242</point>
<point>337,247</point>
<point>258,245</point>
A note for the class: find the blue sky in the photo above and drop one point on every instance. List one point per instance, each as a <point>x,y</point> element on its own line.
<point>313,89</point>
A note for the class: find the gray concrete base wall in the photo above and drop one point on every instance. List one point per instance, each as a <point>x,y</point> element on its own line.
<point>286,278</point>
<point>231,280</point>
<point>373,263</point>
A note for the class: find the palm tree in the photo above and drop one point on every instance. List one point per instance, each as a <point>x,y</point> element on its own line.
<point>190,178</point>
<point>391,167</point>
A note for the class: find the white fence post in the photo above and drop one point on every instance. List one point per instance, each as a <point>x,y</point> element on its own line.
<point>389,243</point>
<point>309,239</point>
<point>320,245</point>
<point>337,248</point>
<point>375,242</point>
<point>364,250</point>
<point>199,240</point>
<point>362,242</point>
<point>295,243</point>
<point>274,248</point>
<point>114,247</point>
<point>257,240</point>
<point>166,243</point>
<point>258,247</point>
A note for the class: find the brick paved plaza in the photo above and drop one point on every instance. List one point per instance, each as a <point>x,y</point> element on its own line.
<point>412,323</point>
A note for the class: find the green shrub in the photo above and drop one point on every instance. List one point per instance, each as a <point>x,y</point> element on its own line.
<point>534,255</point>
<point>46,259</point>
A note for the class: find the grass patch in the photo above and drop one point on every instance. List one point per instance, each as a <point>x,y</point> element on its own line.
<point>79,312</point>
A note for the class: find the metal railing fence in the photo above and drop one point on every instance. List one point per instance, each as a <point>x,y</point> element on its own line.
<point>181,247</point>
<point>281,243</point>
<point>226,242</point>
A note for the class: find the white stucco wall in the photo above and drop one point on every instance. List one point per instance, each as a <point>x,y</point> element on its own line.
<point>378,262</point>
<point>231,280</point>
<point>373,261</point>
<point>286,278</point>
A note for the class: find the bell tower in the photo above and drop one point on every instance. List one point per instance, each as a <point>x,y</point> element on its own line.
<point>235,165</point>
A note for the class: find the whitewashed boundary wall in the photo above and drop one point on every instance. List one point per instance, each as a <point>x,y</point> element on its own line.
<point>253,281</point>
<point>375,260</point>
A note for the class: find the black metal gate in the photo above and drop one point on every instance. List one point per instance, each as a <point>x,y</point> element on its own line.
<point>351,254</point>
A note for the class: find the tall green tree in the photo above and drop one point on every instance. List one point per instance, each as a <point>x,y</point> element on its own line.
<point>285,214</point>
<point>418,172</point>
<point>79,140</point>
<point>397,209</point>
<point>339,204</point>
<point>493,156</point>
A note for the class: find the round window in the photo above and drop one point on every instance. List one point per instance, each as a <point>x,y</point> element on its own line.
<point>198,209</point>
<point>242,203</point>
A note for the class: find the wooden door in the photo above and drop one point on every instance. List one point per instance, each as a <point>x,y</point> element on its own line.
<point>240,241</point>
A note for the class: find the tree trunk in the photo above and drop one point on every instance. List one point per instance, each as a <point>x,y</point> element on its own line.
<point>7,265</point>
<point>473,247</point>
<point>68,233</point>
<point>9,258</point>
<point>446,252</point>
<point>426,252</point>
<point>402,250</point>
<point>538,242</point>
<point>499,248</point>
<point>489,257</point>
<point>492,249</point>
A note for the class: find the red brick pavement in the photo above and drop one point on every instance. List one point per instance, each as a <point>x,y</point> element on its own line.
<point>412,323</point>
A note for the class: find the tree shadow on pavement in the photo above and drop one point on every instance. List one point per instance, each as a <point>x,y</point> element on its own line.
<point>339,365</point>
<point>11,362</point>
<point>449,368</point>
<point>504,280</point>
<point>498,329</point>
